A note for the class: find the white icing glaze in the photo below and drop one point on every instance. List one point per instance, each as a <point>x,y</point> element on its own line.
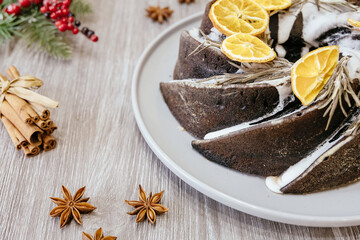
<point>286,21</point>
<point>194,33</point>
<point>353,64</point>
<point>317,22</point>
<point>280,51</point>
<point>214,35</point>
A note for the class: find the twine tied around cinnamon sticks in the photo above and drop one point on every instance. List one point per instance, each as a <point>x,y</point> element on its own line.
<point>21,86</point>
<point>24,113</point>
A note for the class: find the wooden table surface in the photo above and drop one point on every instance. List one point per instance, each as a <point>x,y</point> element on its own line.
<point>100,146</point>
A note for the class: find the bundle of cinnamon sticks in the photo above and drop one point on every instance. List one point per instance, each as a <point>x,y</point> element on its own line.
<point>28,123</point>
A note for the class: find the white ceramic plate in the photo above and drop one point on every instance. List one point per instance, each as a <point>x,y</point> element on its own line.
<point>340,207</point>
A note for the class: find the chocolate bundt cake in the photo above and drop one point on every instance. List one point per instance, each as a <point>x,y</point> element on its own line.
<point>257,126</point>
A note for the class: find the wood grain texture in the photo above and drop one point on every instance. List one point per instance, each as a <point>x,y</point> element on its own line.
<point>100,146</point>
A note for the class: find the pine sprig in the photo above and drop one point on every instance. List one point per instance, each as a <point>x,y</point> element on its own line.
<point>80,8</point>
<point>338,89</point>
<point>10,26</point>
<point>43,33</point>
<point>6,3</point>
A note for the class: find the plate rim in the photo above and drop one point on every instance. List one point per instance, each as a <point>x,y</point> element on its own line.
<point>248,208</point>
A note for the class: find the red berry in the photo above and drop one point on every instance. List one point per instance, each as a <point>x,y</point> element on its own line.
<point>65,12</point>
<point>36,1</point>
<point>25,3</point>
<point>13,9</point>
<point>48,3</point>
<point>1,1</point>
<point>64,20</point>
<point>58,23</point>
<point>66,3</point>
<point>52,8</point>
<point>53,16</point>
<point>70,26</point>
<point>43,9</point>
<point>59,13</point>
<point>71,19</point>
<point>94,38</point>
<point>62,28</point>
<point>75,31</point>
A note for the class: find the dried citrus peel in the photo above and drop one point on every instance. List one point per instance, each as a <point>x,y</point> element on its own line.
<point>310,73</point>
<point>243,47</point>
<point>239,16</point>
<point>353,23</point>
<point>271,5</point>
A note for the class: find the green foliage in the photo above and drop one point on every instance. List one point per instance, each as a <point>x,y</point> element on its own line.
<point>43,33</point>
<point>7,2</point>
<point>36,30</point>
<point>80,7</point>
<point>9,27</point>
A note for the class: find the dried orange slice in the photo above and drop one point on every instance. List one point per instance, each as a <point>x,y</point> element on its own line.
<point>235,16</point>
<point>353,22</point>
<point>270,5</point>
<point>244,47</point>
<point>311,72</point>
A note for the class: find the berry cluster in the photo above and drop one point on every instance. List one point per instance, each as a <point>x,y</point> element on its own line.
<point>56,10</point>
<point>59,11</point>
<point>16,8</point>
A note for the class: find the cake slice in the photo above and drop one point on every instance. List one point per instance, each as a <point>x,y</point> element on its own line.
<point>333,164</point>
<point>201,108</point>
<point>204,62</point>
<point>269,148</point>
<point>206,24</point>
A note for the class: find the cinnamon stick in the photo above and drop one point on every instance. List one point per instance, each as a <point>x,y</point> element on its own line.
<point>17,138</point>
<point>44,125</point>
<point>30,132</point>
<point>52,128</point>
<point>31,150</point>
<point>49,142</point>
<point>28,124</point>
<point>49,123</point>
<point>43,113</point>
<point>22,108</point>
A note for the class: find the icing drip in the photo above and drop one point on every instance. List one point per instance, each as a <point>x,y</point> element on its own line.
<point>214,35</point>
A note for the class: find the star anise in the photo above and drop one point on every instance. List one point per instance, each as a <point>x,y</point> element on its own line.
<point>71,206</point>
<point>186,1</point>
<point>147,206</point>
<point>159,14</point>
<point>98,236</point>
